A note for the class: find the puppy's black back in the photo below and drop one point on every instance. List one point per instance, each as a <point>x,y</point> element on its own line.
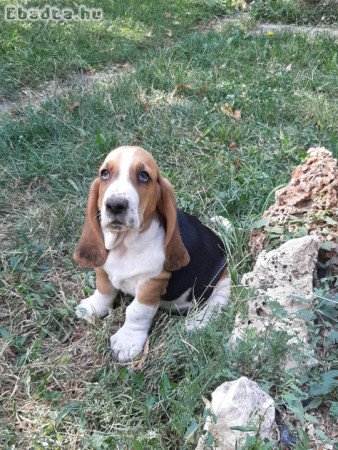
<point>207,260</point>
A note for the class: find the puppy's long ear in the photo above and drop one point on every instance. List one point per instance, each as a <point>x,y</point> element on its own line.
<point>90,250</point>
<point>176,255</point>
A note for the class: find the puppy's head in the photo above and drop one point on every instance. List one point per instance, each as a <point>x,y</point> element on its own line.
<point>129,190</point>
<point>126,195</point>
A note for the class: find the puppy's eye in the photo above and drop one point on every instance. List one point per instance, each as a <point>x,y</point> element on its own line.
<point>104,174</point>
<point>143,176</point>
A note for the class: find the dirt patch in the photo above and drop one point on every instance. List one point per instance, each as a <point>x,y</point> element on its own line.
<point>29,96</point>
<point>33,97</point>
<point>221,23</point>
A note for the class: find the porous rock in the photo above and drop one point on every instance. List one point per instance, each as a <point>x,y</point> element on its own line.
<point>286,274</point>
<point>239,403</point>
<point>307,205</point>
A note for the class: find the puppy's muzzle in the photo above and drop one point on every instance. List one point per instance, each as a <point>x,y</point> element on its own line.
<point>117,209</point>
<point>117,206</point>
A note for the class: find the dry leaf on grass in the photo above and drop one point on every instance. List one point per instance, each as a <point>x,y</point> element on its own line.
<point>237,162</point>
<point>14,112</point>
<point>230,112</point>
<point>237,114</point>
<point>7,350</point>
<point>73,106</point>
<point>139,364</point>
<point>227,110</point>
<point>233,145</point>
<point>125,66</point>
<point>203,90</point>
<point>143,102</point>
<point>90,72</point>
<point>182,87</point>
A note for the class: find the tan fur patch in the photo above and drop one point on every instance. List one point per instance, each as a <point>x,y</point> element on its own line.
<point>111,163</point>
<point>176,255</point>
<point>151,291</point>
<point>103,284</point>
<point>90,250</point>
<point>149,193</point>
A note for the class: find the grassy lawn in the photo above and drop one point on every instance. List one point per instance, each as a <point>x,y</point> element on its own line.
<point>33,52</point>
<point>300,12</point>
<point>61,389</point>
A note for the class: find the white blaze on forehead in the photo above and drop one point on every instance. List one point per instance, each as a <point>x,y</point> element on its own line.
<point>122,185</point>
<point>123,156</point>
<point>123,151</point>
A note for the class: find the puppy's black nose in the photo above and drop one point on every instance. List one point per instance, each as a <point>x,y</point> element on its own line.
<point>117,205</point>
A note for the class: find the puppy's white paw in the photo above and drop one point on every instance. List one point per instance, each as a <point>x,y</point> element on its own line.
<point>127,343</point>
<point>97,305</point>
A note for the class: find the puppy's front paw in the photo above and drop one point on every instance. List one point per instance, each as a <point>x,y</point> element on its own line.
<point>97,305</point>
<point>126,343</point>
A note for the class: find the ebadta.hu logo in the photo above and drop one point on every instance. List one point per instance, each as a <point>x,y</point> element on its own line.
<point>49,12</point>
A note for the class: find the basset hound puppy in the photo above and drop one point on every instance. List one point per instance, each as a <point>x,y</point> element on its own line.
<point>140,243</point>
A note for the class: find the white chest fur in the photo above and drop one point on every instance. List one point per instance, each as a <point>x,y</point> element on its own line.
<point>138,258</point>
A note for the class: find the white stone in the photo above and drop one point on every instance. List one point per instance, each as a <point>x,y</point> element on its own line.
<point>286,273</point>
<point>238,403</point>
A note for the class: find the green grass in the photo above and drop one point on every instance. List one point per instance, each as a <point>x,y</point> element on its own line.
<point>33,52</point>
<point>296,12</point>
<point>61,388</point>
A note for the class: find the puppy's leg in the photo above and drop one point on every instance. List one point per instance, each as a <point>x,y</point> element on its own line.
<point>218,301</point>
<point>100,303</point>
<point>131,337</point>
